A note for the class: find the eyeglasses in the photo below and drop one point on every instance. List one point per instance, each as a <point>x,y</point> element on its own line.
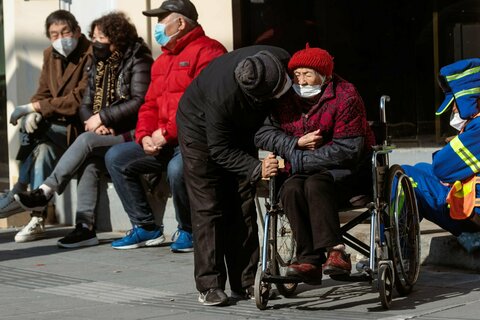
<point>64,33</point>
<point>443,83</point>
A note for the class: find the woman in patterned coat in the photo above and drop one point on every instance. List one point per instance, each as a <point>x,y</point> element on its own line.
<point>320,129</point>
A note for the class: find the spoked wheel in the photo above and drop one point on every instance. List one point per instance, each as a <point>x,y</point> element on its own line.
<point>285,253</point>
<point>385,284</point>
<point>261,290</point>
<point>405,230</point>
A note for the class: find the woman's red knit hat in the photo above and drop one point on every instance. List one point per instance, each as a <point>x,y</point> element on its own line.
<point>313,58</point>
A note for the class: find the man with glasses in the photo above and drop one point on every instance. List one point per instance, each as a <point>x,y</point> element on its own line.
<point>448,190</point>
<point>49,122</point>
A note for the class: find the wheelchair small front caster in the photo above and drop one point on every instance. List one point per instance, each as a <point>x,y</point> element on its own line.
<point>261,290</point>
<point>385,284</point>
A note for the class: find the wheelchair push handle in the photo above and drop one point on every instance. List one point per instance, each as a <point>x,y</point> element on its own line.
<point>383,120</point>
<point>383,102</point>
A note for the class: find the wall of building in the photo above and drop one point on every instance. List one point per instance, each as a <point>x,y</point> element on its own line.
<point>25,41</point>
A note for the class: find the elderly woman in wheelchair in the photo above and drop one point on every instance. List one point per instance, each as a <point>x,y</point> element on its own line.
<point>320,129</point>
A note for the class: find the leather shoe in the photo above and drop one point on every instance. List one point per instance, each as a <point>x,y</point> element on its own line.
<point>338,262</point>
<point>307,272</point>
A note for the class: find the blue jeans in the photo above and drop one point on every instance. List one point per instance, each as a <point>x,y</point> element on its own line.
<point>126,162</point>
<point>178,189</point>
<point>41,161</point>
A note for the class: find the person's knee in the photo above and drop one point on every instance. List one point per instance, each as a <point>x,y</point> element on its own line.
<point>175,170</point>
<point>322,181</point>
<point>290,189</point>
<point>112,157</point>
<point>45,152</point>
<point>85,139</point>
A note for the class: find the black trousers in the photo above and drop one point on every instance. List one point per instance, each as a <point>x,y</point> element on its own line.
<point>224,222</point>
<point>311,203</point>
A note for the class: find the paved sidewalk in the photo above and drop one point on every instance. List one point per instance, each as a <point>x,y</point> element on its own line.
<point>40,281</point>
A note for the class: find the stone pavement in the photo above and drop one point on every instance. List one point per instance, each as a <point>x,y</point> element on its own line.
<point>40,281</point>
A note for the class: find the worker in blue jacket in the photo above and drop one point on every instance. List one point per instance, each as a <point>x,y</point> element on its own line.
<point>448,190</point>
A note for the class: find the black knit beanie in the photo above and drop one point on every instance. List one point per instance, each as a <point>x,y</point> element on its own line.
<point>261,76</point>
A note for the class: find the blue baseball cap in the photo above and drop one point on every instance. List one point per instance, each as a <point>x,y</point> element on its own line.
<point>460,82</point>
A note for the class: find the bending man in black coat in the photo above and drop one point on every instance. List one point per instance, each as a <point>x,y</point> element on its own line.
<point>217,118</point>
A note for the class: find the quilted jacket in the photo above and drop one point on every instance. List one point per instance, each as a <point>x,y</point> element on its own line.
<point>171,74</point>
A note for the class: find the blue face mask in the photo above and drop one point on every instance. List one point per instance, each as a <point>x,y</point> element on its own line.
<point>160,35</point>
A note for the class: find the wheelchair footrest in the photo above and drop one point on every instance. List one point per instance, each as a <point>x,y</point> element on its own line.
<point>280,279</point>
<point>353,277</point>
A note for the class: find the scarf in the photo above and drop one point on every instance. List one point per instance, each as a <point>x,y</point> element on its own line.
<point>105,81</point>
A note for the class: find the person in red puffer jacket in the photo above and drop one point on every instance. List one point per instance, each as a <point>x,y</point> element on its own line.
<point>321,130</point>
<point>186,51</point>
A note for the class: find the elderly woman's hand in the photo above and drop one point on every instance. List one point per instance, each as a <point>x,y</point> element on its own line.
<point>310,141</point>
<point>102,130</point>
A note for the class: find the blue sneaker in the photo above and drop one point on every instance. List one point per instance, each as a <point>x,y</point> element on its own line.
<point>139,237</point>
<point>183,241</point>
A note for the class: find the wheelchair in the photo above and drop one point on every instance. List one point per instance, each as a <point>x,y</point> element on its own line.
<point>393,249</point>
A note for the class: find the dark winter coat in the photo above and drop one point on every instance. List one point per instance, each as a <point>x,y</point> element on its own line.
<point>217,119</point>
<point>132,84</point>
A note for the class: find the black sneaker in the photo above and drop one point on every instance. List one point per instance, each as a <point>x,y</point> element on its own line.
<point>34,200</point>
<point>243,294</point>
<point>80,237</point>
<point>213,297</point>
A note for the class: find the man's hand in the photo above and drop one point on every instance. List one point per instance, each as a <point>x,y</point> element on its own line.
<point>30,122</point>
<point>269,166</point>
<point>20,111</point>
<point>158,138</point>
<point>149,146</point>
<point>310,141</point>
<point>93,123</point>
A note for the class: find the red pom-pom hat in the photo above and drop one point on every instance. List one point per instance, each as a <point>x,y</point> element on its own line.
<point>312,58</point>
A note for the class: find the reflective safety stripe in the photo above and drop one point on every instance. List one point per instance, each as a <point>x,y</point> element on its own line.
<point>413,182</point>
<point>467,92</point>
<point>465,154</point>
<point>463,74</point>
<point>446,106</point>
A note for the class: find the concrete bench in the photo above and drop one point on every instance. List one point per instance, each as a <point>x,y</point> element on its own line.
<point>110,215</point>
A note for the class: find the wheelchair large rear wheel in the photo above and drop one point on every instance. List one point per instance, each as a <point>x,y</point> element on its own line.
<point>285,252</point>
<point>404,228</point>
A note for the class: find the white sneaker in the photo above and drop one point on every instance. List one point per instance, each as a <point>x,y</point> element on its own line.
<point>34,230</point>
<point>8,205</point>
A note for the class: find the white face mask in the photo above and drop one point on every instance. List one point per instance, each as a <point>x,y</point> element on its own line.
<point>457,122</point>
<point>307,91</point>
<point>65,46</point>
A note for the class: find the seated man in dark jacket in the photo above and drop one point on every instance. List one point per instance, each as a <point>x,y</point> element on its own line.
<point>321,130</point>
